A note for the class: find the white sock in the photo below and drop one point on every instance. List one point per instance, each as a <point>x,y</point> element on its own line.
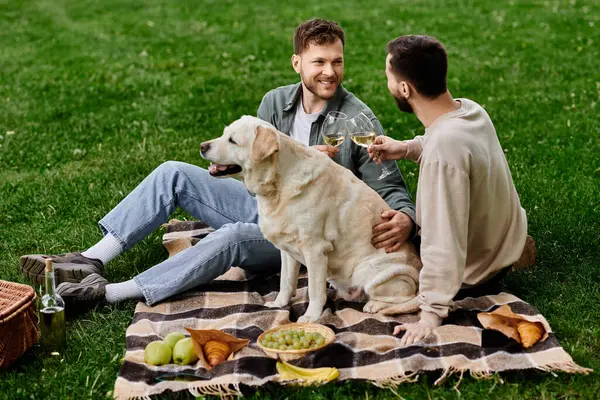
<point>128,290</point>
<point>105,250</point>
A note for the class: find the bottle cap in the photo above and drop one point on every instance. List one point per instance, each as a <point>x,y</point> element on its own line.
<point>48,263</point>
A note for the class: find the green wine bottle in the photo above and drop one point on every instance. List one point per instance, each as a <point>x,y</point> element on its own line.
<point>52,315</point>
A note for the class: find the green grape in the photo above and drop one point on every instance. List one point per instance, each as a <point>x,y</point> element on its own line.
<point>288,338</point>
<point>283,347</point>
<point>320,341</point>
<point>301,333</point>
<point>268,337</point>
<point>281,340</point>
<point>264,342</point>
<point>297,346</point>
<point>305,344</point>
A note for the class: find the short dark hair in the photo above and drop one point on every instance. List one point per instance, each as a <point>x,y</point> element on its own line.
<point>421,60</point>
<point>316,31</point>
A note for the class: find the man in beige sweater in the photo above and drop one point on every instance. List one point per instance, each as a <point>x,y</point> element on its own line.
<point>472,223</point>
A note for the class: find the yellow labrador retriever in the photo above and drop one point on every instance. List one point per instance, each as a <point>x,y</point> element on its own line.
<point>318,214</point>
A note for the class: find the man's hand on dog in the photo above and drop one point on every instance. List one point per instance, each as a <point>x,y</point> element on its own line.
<point>393,231</point>
<point>331,151</point>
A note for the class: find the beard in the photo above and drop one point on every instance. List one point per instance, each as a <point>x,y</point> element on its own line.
<point>403,104</point>
<point>313,87</point>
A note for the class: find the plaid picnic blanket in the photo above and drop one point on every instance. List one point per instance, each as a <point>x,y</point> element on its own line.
<point>364,348</point>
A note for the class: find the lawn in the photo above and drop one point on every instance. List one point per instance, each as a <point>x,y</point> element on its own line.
<point>96,94</point>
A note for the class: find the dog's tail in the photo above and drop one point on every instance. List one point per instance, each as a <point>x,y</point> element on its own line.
<point>407,307</point>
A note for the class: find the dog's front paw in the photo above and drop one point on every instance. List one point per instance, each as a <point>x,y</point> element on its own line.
<point>308,318</point>
<point>374,306</point>
<point>276,304</point>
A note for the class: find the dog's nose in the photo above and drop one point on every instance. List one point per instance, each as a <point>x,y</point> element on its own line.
<point>204,147</point>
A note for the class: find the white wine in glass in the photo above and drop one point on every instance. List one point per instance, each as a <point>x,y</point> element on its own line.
<point>334,139</point>
<point>362,132</point>
<point>364,139</point>
<point>334,128</point>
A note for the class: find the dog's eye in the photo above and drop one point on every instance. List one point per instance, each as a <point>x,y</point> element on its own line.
<point>232,141</point>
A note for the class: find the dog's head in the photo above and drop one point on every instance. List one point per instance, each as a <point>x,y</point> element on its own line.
<point>248,148</point>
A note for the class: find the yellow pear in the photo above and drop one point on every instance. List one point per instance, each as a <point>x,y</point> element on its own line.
<point>173,338</point>
<point>157,353</point>
<point>183,352</point>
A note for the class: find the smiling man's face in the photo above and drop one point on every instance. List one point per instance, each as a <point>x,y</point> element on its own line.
<point>321,68</point>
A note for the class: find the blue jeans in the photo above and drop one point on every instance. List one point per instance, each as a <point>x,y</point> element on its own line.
<point>224,204</point>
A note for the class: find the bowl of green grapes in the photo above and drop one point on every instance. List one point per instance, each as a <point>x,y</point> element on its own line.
<point>291,341</point>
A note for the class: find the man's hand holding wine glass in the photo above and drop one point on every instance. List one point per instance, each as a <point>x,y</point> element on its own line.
<point>385,148</point>
<point>331,151</point>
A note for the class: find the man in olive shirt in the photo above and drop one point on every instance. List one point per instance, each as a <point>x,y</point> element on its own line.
<point>225,204</point>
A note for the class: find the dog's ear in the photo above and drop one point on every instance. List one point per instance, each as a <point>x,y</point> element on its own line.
<point>266,142</point>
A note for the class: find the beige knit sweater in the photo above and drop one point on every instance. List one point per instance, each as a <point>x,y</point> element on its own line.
<point>472,223</point>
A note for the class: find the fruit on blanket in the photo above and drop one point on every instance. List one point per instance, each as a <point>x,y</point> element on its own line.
<point>183,352</point>
<point>157,353</point>
<point>530,333</point>
<point>216,351</point>
<point>289,372</point>
<point>292,339</point>
<point>173,338</point>
<point>201,337</point>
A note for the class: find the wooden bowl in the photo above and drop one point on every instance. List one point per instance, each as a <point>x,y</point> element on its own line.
<point>286,355</point>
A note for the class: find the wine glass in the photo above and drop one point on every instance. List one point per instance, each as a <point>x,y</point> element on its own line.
<point>334,128</point>
<point>362,132</point>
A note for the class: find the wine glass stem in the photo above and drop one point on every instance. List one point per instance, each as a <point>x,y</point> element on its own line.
<point>384,172</point>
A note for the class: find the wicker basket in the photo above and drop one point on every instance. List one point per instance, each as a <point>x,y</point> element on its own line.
<point>287,355</point>
<point>18,321</point>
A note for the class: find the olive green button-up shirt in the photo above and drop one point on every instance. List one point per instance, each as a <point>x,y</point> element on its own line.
<point>278,107</point>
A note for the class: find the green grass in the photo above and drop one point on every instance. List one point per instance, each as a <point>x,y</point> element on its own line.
<point>94,95</point>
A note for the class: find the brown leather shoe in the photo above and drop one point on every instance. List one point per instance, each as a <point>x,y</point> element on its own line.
<point>527,258</point>
<point>69,267</point>
<point>84,295</point>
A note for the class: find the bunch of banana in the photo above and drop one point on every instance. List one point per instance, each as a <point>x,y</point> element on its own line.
<point>306,376</point>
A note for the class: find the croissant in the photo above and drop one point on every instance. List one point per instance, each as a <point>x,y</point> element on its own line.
<point>216,352</point>
<point>530,333</point>
<point>214,346</point>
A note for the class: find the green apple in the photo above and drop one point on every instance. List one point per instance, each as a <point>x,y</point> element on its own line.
<point>173,338</point>
<point>183,352</point>
<point>157,353</point>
